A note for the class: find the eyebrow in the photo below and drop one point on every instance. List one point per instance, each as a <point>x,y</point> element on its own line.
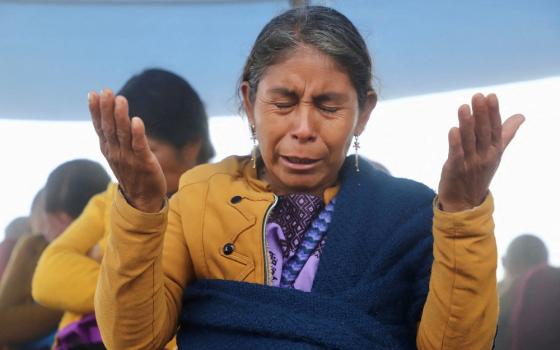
<point>284,92</point>
<point>327,96</point>
<point>330,96</point>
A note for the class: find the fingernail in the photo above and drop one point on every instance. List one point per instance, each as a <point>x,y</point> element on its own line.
<point>89,97</point>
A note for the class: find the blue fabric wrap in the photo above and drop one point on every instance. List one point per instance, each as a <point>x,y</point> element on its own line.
<point>369,290</point>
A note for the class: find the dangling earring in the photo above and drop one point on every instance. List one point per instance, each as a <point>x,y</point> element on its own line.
<point>356,158</point>
<point>254,150</point>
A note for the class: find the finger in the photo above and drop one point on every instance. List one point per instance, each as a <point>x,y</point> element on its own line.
<point>466,129</point>
<point>456,154</point>
<point>495,120</point>
<point>94,110</point>
<point>139,140</point>
<point>94,102</point>
<point>510,127</point>
<point>108,118</point>
<point>482,122</point>
<point>122,123</point>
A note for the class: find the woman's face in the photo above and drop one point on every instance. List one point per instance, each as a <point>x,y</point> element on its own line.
<point>174,162</point>
<point>55,224</point>
<point>305,114</point>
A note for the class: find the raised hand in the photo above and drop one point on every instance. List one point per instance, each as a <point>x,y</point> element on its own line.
<point>475,150</point>
<point>124,144</point>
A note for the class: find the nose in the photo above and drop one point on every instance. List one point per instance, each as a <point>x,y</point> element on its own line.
<point>304,125</point>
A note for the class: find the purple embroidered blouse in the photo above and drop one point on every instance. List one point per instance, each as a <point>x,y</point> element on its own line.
<point>285,230</point>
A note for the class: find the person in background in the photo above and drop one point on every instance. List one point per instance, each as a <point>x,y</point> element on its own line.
<point>529,298</point>
<point>16,229</point>
<point>37,218</point>
<point>299,246</point>
<point>177,130</point>
<point>33,224</point>
<point>24,324</point>
<point>523,253</point>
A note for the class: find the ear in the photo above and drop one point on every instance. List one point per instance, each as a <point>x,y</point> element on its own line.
<point>247,103</point>
<point>363,117</point>
<point>189,152</point>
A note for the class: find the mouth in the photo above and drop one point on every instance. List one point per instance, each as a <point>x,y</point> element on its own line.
<point>299,163</point>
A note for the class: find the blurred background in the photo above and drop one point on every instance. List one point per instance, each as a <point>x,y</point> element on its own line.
<point>429,58</point>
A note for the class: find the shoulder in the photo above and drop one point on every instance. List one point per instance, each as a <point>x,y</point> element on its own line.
<point>375,185</point>
<point>374,201</point>
<point>30,246</point>
<point>231,167</point>
<point>109,193</point>
<point>104,198</point>
<point>99,205</point>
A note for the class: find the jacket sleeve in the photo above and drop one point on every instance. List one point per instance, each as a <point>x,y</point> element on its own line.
<point>461,310</point>
<point>145,269</point>
<point>66,276</point>
<point>21,319</point>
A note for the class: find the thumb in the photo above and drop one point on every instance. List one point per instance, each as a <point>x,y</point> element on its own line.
<point>510,127</point>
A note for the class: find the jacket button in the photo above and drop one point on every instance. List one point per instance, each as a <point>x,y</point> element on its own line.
<point>229,248</point>
<point>235,199</point>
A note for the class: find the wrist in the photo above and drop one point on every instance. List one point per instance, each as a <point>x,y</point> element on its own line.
<point>150,205</point>
<point>458,206</point>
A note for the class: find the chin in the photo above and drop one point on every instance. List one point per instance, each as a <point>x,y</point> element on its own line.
<point>301,183</point>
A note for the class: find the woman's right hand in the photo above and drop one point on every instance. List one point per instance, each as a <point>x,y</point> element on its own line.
<point>124,144</point>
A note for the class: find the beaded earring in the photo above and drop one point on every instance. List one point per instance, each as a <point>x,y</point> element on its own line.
<point>356,158</point>
<point>254,150</point>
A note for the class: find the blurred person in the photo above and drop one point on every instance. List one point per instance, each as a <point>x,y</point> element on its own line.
<point>34,224</point>
<point>37,219</point>
<point>523,253</point>
<point>529,298</point>
<point>16,229</point>
<point>24,324</point>
<point>177,130</point>
<point>299,246</point>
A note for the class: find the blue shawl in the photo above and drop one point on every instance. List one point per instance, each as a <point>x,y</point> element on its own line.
<point>368,293</point>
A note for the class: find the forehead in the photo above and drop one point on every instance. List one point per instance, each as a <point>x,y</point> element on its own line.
<point>306,69</point>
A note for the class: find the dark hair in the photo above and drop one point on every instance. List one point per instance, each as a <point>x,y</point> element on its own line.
<point>321,27</point>
<point>71,185</point>
<point>526,251</point>
<point>170,109</point>
<point>18,227</point>
<point>38,201</point>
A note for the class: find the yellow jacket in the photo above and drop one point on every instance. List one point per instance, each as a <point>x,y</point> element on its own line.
<point>66,276</point>
<point>145,271</point>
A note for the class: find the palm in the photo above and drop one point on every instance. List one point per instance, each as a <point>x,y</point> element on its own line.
<point>124,144</point>
<point>475,151</point>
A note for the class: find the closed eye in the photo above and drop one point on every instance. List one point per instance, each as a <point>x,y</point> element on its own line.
<point>284,105</point>
<point>328,109</point>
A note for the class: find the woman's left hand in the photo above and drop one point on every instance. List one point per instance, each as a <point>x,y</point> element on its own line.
<point>475,150</point>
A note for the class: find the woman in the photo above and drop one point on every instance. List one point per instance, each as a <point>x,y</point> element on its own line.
<point>335,253</point>
<point>177,129</point>
<point>17,228</point>
<point>24,324</point>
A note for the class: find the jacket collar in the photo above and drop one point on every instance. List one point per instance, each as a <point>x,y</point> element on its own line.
<point>259,185</point>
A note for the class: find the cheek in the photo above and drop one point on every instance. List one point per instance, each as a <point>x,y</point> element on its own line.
<point>165,161</point>
<point>338,137</point>
<point>270,132</point>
